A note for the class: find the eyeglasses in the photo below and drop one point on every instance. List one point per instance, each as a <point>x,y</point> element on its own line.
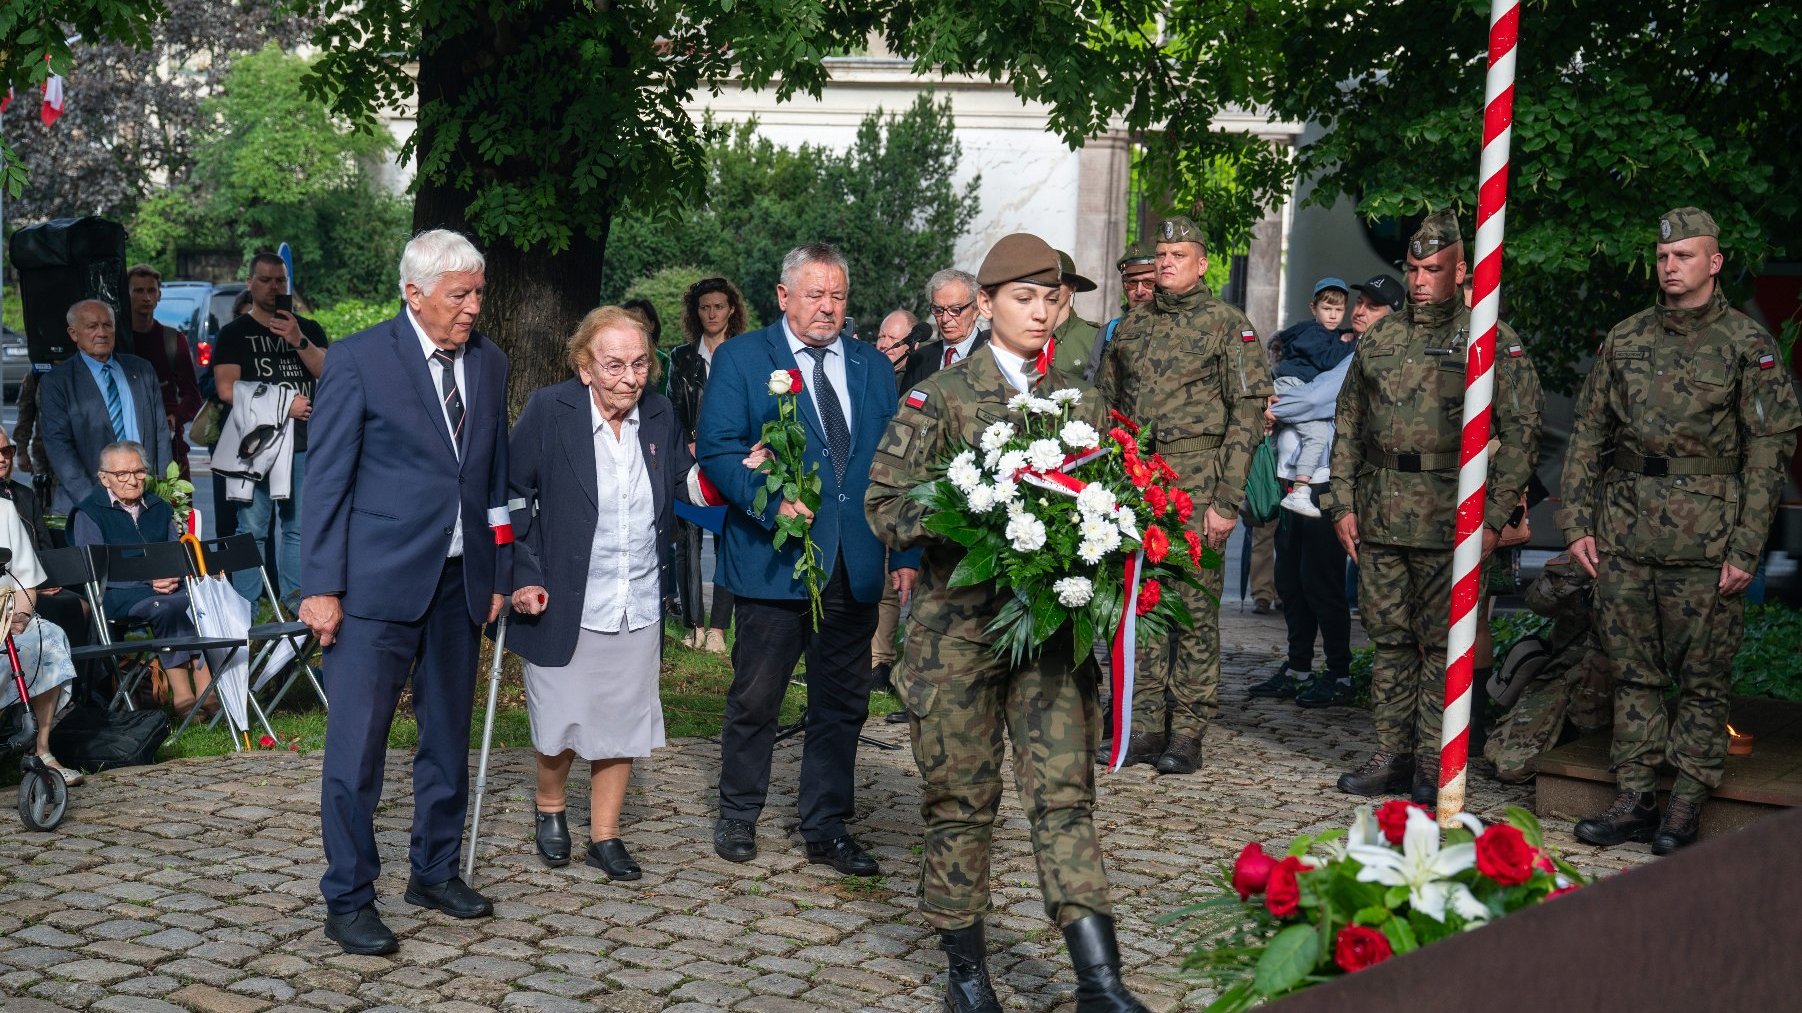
<point>6,453</point>
<point>125,476</point>
<point>615,370</point>
<point>951,311</point>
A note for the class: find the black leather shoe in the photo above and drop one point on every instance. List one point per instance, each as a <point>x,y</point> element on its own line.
<point>1281,686</point>
<point>553,838</point>
<point>453,897</point>
<point>1328,691</point>
<point>1682,818</point>
<point>896,717</point>
<point>735,840</point>
<point>1426,782</point>
<point>360,931</point>
<point>1182,756</point>
<point>1632,817</point>
<point>845,855</point>
<point>967,987</point>
<point>611,857</point>
<point>1096,957</point>
<point>1385,773</point>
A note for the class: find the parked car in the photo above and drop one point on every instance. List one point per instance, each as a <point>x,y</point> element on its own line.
<point>15,363</point>
<point>187,306</point>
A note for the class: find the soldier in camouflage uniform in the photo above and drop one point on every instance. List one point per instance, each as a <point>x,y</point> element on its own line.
<point>1691,399</point>
<point>1072,345</point>
<point>1394,496</point>
<point>962,701</point>
<point>1190,370</point>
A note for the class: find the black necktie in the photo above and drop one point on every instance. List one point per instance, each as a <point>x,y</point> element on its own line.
<point>453,400</point>
<point>832,414</point>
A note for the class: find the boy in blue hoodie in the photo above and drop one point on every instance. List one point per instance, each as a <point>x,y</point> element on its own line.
<point>1306,350</point>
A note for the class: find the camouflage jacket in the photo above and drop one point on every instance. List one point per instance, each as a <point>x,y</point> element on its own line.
<point>941,414</point>
<point>1395,444</point>
<point>1189,368</point>
<point>1704,385</point>
<point>1075,343</point>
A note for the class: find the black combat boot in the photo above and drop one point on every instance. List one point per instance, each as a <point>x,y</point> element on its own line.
<point>1632,817</point>
<point>1139,749</point>
<point>1281,686</point>
<point>1385,773</point>
<point>967,988</point>
<point>1183,756</point>
<point>1426,782</point>
<point>1096,957</point>
<point>1678,829</point>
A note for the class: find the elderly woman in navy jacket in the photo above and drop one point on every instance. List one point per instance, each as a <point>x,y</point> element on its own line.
<point>597,461</point>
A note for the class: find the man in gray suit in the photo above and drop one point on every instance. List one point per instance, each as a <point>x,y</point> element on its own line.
<point>94,398</point>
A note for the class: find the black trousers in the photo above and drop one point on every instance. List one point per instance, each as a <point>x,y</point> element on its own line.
<point>1310,577</point>
<point>773,634</point>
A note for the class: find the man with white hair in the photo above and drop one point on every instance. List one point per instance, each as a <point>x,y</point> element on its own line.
<point>409,472</point>
<point>94,398</point>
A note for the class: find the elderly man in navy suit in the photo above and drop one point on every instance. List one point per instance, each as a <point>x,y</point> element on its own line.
<point>409,449</point>
<point>850,396</point>
<point>94,398</point>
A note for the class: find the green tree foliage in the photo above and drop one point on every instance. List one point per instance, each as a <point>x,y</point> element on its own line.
<point>888,202</point>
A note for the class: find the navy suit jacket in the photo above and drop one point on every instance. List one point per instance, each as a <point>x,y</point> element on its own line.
<point>384,486</point>
<point>737,404</point>
<point>76,427</point>
<point>552,468</point>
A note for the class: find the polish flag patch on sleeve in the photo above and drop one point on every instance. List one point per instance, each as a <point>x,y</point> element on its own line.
<point>1515,351</point>
<point>1767,361</point>
<point>916,399</point>
<point>1248,335</point>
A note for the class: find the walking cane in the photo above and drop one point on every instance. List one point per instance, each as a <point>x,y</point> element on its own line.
<point>475,812</point>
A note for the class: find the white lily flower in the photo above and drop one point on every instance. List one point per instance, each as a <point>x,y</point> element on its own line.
<point>1422,865</point>
<point>1364,833</point>
<point>1465,905</point>
<point>1472,824</point>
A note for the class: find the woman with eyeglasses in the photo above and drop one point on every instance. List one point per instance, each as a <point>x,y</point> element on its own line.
<point>712,311</point>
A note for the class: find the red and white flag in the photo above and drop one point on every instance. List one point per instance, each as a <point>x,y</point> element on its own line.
<point>53,100</point>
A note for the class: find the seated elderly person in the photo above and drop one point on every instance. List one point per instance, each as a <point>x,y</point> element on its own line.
<point>43,647</point>
<point>121,512</point>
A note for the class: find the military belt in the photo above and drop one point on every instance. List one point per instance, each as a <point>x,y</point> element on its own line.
<point>1190,444</point>
<point>1659,467</point>
<point>1442,461</point>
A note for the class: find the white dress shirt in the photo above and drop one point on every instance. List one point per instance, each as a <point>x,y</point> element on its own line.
<point>623,583</point>
<point>835,373</point>
<point>1019,373</point>
<point>435,369</point>
<point>961,350</point>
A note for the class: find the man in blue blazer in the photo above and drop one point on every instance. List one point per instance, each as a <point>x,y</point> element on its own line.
<point>96,397</point>
<point>849,398</point>
<point>408,444</point>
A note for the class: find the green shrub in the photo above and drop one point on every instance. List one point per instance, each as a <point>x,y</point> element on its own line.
<point>346,317</point>
<point>1768,663</point>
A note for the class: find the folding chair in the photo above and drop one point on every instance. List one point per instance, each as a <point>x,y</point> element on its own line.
<point>239,552</point>
<point>72,567</point>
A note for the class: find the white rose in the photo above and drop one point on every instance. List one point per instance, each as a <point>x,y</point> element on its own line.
<point>1079,435</point>
<point>1097,500</point>
<point>1026,533</point>
<point>1045,455</point>
<point>1010,463</point>
<point>981,499</point>
<point>1074,592</point>
<point>997,435</point>
<point>779,381</point>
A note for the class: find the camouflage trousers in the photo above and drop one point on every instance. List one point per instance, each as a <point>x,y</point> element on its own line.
<point>1664,626</point>
<point>961,702</point>
<point>1405,602</point>
<point>1177,681</point>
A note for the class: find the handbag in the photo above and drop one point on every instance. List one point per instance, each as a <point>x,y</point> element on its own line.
<point>1263,491</point>
<point>208,422</point>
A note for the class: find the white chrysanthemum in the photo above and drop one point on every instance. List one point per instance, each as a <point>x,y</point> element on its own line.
<point>1010,463</point>
<point>1016,506</point>
<point>1090,552</point>
<point>1026,533</point>
<point>1045,455</point>
<point>1074,592</point>
<point>981,499</point>
<point>997,435</point>
<point>1129,524</point>
<point>1096,500</point>
<point>1069,395</point>
<point>1006,490</point>
<point>1042,406</point>
<point>1095,527</point>
<point>1079,435</point>
<point>1019,402</point>
<point>963,473</point>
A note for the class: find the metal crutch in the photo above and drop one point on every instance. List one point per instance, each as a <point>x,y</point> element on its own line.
<point>475,811</point>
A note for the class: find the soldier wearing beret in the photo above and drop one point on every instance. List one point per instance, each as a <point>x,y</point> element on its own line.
<point>1072,344</point>
<point>1189,368</point>
<point>1393,496</point>
<point>1676,461</point>
<point>962,701</point>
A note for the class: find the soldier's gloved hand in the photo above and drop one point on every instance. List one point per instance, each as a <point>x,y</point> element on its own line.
<point>1733,580</point>
<point>1347,529</point>
<point>1583,550</point>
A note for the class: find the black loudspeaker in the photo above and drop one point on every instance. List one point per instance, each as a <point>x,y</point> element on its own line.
<point>60,263</point>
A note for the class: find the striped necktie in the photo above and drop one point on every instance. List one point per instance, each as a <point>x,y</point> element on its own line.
<point>115,405</point>
<point>453,399</point>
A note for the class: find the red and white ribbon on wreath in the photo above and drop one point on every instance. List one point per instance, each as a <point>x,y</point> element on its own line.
<point>1123,657</point>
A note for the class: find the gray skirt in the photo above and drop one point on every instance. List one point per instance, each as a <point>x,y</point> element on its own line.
<point>604,703</point>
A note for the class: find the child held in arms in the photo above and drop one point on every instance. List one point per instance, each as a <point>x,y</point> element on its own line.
<point>1306,350</point>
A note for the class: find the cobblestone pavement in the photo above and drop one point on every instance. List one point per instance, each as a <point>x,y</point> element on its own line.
<point>194,885</point>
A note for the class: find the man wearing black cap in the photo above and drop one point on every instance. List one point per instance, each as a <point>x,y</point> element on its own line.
<point>1378,297</point>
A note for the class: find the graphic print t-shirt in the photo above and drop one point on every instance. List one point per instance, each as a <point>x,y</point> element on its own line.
<point>263,357</point>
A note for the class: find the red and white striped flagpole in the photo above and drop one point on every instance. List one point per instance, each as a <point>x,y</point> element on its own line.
<point>1479,392</point>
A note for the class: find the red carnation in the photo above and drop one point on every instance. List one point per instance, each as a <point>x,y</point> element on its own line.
<point>1184,504</point>
<point>1359,946</point>
<point>1392,817</point>
<point>794,381</point>
<point>1251,871</point>
<point>1157,501</point>
<point>1123,420</point>
<point>1194,541</point>
<point>1157,544</point>
<point>1149,592</point>
<point>1129,446</point>
<point>1282,894</point>
<point>1504,855</point>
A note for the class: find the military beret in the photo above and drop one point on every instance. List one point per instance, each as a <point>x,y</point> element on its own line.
<point>1139,254</point>
<point>1438,232</point>
<point>1686,223</point>
<point>1020,257</point>
<point>1066,266</point>
<point>1180,229</point>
